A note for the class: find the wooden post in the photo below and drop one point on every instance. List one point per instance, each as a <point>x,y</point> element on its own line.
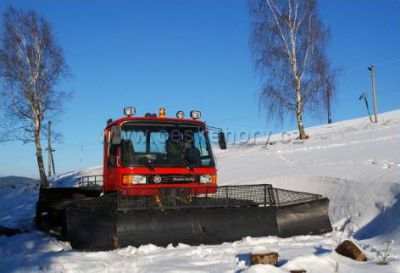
<point>372,69</point>
<point>52,162</point>
<point>329,107</point>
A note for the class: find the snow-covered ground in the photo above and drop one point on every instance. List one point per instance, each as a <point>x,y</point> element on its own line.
<point>355,163</point>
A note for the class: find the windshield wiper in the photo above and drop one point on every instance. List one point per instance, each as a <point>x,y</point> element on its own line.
<point>188,165</point>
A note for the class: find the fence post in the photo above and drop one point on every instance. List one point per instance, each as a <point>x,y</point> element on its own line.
<point>272,196</point>
<point>226,197</point>
<point>265,195</point>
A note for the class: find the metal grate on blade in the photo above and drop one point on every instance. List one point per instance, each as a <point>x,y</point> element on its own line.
<point>208,197</point>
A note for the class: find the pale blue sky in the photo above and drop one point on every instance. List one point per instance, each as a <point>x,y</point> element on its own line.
<point>186,55</point>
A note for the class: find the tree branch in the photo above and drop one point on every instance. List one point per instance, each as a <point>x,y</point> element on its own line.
<point>308,43</point>
<point>272,8</point>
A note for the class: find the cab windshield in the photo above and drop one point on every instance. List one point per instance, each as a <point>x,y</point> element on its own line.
<point>165,144</point>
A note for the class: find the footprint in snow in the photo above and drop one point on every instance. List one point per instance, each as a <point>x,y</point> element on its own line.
<point>389,164</point>
<point>371,161</point>
<point>384,164</point>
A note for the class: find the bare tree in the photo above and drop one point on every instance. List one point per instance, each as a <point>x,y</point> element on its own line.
<point>31,64</point>
<point>288,44</point>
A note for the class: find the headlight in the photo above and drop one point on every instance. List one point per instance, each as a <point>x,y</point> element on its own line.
<point>133,179</point>
<point>208,179</point>
<point>139,179</point>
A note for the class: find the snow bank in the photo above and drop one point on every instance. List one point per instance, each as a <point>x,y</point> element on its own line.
<point>18,197</point>
<point>355,163</point>
<point>71,179</point>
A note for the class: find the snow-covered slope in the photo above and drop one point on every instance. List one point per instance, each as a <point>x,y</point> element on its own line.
<point>355,163</point>
<point>71,179</point>
<point>18,197</point>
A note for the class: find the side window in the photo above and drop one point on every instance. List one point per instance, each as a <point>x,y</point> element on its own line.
<point>112,158</point>
<point>112,152</point>
<point>201,145</point>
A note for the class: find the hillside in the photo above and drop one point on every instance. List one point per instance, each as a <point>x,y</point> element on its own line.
<point>355,163</point>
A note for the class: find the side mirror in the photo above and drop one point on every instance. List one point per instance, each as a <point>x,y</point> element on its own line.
<point>221,140</point>
<point>115,135</point>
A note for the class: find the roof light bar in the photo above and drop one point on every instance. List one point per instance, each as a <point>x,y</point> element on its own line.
<point>180,114</point>
<point>162,113</point>
<point>195,114</point>
<point>129,111</point>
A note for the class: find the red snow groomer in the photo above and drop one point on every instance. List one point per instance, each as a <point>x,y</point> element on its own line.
<point>144,154</point>
<point>159,186</point>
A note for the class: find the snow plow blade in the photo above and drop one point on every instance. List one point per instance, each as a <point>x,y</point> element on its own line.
<point>180,216</point>
<point>52,204</point>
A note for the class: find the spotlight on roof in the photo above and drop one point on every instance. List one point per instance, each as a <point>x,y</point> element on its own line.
<point>129,111</point>
<point>195,114</point>
<point>180,114</point>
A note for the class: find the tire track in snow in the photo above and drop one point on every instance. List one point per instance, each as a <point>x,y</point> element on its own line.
<point>338,145</point>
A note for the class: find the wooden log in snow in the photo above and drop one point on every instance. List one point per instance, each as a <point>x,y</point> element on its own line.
<point>264,258</point>
<point>351,250</point>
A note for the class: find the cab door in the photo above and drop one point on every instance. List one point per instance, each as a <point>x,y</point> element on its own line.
<point>111,159</point>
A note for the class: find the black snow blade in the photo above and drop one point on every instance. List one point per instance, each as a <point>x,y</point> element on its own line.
<point>180,215</point>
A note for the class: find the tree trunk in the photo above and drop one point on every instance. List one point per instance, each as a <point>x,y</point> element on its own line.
<point>39,157</point>
<point>300,125</point>
<point>299,111</point>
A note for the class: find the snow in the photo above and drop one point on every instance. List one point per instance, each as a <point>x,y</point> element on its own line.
<point>261,250</point>
<point>70,179</point>
<point>17,201</point>
<point>355,163</point>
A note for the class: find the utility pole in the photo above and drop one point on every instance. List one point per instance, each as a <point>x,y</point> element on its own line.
<point>329,108</point>
<point>50,160</point>
<point>49,148</point>
<point>371,68</point>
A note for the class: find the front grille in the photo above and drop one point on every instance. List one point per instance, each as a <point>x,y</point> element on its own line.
<point>173,179</point>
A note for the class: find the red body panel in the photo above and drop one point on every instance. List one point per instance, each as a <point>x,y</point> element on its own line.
<point>112,177</point>
<point>192,189</point>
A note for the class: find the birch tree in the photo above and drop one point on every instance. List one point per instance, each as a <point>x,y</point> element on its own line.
<point>288,42</point>
<point>31,64</point>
